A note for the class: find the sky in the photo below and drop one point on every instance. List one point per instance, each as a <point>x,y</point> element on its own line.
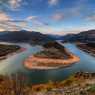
<point>47,16</point>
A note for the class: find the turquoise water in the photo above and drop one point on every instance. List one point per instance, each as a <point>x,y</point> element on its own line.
<point>15,64</point>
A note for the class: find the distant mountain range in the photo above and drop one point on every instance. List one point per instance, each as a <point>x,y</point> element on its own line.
<point>25,36</point>
<point>39,38</point>
<point>85,36</point>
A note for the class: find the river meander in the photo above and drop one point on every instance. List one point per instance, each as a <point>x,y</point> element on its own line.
<point>14,64</point>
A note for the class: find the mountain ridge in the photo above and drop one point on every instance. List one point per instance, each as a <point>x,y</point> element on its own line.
<point>25,36</point>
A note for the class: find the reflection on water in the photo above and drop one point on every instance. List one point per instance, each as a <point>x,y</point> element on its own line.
<point>87,62</point>
<point>15,63</point>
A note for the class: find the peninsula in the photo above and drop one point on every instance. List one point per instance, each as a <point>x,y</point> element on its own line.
<point>53,56</point>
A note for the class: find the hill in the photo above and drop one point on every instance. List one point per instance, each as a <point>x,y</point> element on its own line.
<point>25,36</point>
<point>84,36</point>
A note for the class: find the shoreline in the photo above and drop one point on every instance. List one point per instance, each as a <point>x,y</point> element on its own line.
<point>12,53</point>
<point>64,63</point>
<point>74,85</point>
<point>86,48</point>
<point>46,63</point>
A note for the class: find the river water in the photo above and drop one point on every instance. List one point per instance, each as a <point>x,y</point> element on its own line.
<point>14,64</point>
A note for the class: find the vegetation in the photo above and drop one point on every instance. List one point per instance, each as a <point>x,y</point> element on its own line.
<point>53,50</point>
<point>87,47</point>
<point>92,89</point>
<point>6,49</point>
<point>50,53</point>
<point>17,84</point>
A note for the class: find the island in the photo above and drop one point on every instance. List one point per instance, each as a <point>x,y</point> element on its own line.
<point>6,50</point>
<point>53,56</point>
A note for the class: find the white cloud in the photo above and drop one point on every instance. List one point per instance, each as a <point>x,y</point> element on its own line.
<point>58,16</point>
<point>15,3</point>
<point>53,2</point>
<point>4,16</point>
<point>36,20</point>
<point>31,18</point>
<point>91,18</point>
<point>36,23</point>
<point>9,26</point>
<point>68,13</point>
<point>6,23</point>
<point>2,29</point>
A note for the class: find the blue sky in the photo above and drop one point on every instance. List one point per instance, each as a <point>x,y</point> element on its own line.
<point>47,16</point>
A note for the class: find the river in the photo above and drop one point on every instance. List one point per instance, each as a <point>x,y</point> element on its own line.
<point>14,64</point>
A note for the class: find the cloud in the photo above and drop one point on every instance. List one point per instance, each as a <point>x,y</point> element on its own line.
<point>4,16</point>
<point>79,8</point>
<point>58,16</point>
<point>53,2</point>
<point>91,18</point>
<point>9,26</point>
<point>2,29</point>
<point>4,5</point>
<point>36,20</point>
<point>14,3</point>
<point>31,18</point>
<point>7,5</point>
<point>36,23</point>
<point>7,23</point>
<point>23,24</point>
<point>70,12</point>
